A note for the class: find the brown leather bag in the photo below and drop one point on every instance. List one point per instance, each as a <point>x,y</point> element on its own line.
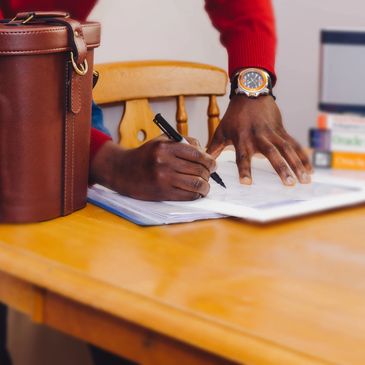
<point>46,62</point>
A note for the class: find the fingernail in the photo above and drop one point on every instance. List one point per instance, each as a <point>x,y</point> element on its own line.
<point>246,180</point>
<point>305,178</point>
<point>289,180</point>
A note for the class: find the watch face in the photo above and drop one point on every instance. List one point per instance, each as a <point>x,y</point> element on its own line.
<point>252,80</point>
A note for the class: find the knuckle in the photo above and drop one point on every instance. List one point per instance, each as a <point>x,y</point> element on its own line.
<point>194,141</point>
<point>286,147</point>
<point>298,166</point>
<point>160,175</point>
<point>242,156</point>
<point>200,170</point>
<point>269,149</point>
<point>206,189</point>
<point>195,154</point>
<point>158,159</point>
<point>195,196</point>
<point>197,183</point>
<point>209,164</point>
<point>212,164</point>
<point>205,175</point>
<point>282,168</point>
<point>257,131</point>
<point>157,148</point>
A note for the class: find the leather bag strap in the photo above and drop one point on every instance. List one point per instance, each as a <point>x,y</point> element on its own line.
<point>39,15</point>
<point>74,31</point>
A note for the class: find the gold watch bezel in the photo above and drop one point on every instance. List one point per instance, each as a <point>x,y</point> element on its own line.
<point>252,91</point>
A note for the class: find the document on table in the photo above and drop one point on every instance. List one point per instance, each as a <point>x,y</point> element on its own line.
<point>145,213</point>
<point>267,199</point>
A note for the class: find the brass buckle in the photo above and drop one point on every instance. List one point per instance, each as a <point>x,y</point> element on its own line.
<point>79,69</point>
<point>25,21</point>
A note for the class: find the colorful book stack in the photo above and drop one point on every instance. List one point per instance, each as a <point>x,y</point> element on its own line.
<point>339,141</point>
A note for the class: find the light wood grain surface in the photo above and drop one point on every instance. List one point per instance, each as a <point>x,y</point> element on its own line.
<point>287,293</point>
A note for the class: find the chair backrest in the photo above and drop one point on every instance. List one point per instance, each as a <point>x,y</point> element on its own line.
<point>135,83</point>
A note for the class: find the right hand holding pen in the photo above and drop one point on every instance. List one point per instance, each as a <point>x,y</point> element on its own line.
<point>158,170</point>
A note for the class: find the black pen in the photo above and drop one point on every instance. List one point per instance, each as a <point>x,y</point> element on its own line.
<point>176,136</point>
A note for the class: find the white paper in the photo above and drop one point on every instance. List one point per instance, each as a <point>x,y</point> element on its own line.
<point>145,212</point>
<point>268,199</point>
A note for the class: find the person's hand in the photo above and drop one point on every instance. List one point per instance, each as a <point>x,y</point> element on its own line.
<point>255,125</point>
<point>158,170</point>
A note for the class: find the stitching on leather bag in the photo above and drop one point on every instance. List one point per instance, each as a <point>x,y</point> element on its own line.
<point>72,94</point>
<point>46,49</point>
<point>66,147</point>
<point>90,26</point>
<point>21,32</point>
<point>36,50</point>
<point>79,95</point>
<point>76,108</point>
<point>53,30</point>
<point>73,163</point>
<point>73,138</point>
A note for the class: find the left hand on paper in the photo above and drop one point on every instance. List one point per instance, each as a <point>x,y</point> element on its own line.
<point>255,125</point>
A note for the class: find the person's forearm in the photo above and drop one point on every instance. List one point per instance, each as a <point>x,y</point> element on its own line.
<point>103,164</point>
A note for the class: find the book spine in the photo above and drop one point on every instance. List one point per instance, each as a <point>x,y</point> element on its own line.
<point>320,139</point>
<point>348,161</point>
<point>345,141</point>
<point>345,122</point>
<point>339,160</point>
<point>347,132</point>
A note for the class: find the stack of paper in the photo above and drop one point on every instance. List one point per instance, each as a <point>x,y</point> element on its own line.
<point>145,213</point>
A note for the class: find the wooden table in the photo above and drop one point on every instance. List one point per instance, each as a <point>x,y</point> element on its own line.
<point>213,292</point>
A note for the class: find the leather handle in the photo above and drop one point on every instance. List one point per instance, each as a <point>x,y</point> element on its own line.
<point>33,15</point>
<point>75,36</point>
<point>74,31</point>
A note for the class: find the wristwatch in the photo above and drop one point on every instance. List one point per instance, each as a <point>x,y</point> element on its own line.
<point>252,82</point>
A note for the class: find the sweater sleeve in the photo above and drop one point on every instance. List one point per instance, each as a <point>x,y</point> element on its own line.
<point>247,30</point>
<point>78,9</point>
<point>97,140</point>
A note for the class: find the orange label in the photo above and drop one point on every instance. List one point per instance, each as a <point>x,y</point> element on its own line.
<point>322,121</point>
<point>348,161</point>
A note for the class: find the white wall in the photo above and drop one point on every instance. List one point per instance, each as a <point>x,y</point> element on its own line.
<point>298,24</point>
<point>175,29</point>
<point>165,29</point>
<point>162,29</point>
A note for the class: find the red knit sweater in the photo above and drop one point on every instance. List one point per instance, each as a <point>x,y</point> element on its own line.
<point>247,31</point>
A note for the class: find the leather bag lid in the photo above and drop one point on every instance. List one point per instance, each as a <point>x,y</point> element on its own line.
<point>31,39</point>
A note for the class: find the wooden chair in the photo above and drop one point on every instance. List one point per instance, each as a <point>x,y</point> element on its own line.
<point>135,83</point>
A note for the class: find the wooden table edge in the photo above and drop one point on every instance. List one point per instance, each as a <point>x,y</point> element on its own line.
<point>49,275</point>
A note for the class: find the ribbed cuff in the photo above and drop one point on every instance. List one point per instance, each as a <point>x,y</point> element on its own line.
<point>251,49</point>
<point>97,141</point>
